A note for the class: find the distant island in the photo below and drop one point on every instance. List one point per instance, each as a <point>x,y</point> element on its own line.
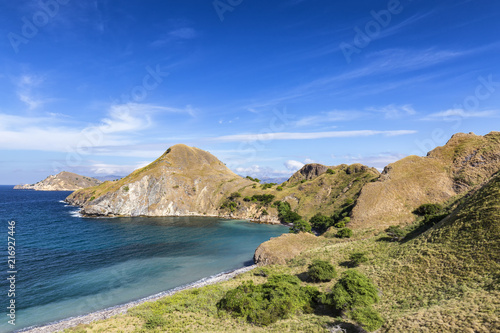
<point>63,181</point>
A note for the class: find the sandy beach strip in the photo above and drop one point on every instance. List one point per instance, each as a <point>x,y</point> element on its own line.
<point>110,312</point>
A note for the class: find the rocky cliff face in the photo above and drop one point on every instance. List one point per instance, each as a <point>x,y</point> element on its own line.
<point>465,162</point>
<point>308,172</point>
<point>63,181</point>
<point>183,181</point>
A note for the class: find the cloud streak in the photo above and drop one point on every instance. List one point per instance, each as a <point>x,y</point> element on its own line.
<point>308,136</point>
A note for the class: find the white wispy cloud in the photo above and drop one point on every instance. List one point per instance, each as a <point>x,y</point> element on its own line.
<point>388,61</point>
<point>25,86</point>
<point>51,133</point>
<point>308,136</point>
<point>460,113</point>
<point>262,172</point>
<point>115,169</point>
<point>394,111</point>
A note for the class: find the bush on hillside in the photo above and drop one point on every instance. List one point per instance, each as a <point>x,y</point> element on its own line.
<point>285,213</point>
<point>300,226</point>
<point>321,271</point>
<point>320,222</point>
<point>279,298</point>
<point>265,199</point>
<point>344,233</point>
<point>353,295</point>
<point>428,209</point>
<point>396,233</point>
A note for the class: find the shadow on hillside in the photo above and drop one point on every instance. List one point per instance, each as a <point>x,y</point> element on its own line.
<point>347,264</point>
<point>424,225</point>
<point>304,277</point>
<point>340,327</point>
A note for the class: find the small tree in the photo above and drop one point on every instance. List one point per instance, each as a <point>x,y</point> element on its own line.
<point>354,295</point>
<point>321,271</point>
<point>300,226</point>
<point>344,233</point>
<point>330,172</point>
<point>428,209</point>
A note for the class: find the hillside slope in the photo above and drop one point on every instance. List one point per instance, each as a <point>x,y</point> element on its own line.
<point>314,188</point>
<point>466,161</point>
<point>63,181</point>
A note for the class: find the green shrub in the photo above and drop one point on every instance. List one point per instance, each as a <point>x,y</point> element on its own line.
<point>231,205</point>
<point>126,188</point>
<point>285,213</point>
<point>340,224</point>
<point>354,295</point>
<point>428,209</point>
<point>247,198</point>
<point>330,172</point>
<point>253,179</point>
<point>279,188</point>
<point>357,258</point>
<point>320,222</point>
<point>268,185</point>
<point>264,198</point>
<point>234,195</point>
<point>395,232</point>
<point>303,181</point>
<point>92,198</point>
<point>344,233</point>
<point>321,271</point>
<point>369,318</point>
<point>300,226</point>
<point>280,297</point>
<point>264,212</point>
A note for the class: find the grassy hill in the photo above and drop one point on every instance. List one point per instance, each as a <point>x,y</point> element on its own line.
<point>466,161</point>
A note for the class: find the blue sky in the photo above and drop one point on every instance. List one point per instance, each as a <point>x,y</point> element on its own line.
<point>104,87</point>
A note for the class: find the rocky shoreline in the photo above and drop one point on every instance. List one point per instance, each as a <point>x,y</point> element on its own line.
<point>110,312</point>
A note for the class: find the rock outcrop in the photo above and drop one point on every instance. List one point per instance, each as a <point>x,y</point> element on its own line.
<point>63,181</point>
<point>465,162</point>
<point>308,172</point>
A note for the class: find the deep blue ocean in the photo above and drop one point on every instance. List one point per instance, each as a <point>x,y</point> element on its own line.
<point>68,265</point>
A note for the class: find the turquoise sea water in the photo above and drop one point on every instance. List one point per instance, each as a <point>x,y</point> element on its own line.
<point>69,266</point>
